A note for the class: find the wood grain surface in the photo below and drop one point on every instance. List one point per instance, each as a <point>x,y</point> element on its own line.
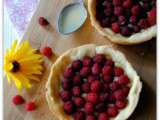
<point>142,57</point>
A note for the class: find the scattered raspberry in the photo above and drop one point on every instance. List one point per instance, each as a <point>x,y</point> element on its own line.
<point>68,73</point>
<point>112,111</point>
<point>68,107</point>
<point>92,78</point>
<point>107,78</point>
<point>119,95</point>
<point>117,2</point>
<point>65,95</point>
<point>96,69</point>
<point>114,86</point>
<point>43,22</point>
<point>79,115</point>
<point>118,11</point>
<point>118,71</point>
<point>152,17</point>
<point>96,86</point>
<point>126,90</point>
<point>66,84</point>
<point>123,80</point>
<point>115,27</point>
<point>89,108</point>
<point>91,117</point>
<point>77,80</point>
<point>110,63</point>
<point>76,91</point>
<point>30,106</point>
<point>120,104</point>
<point>79,102</point>
<point>18,100</point>
<point>87,61</point>
<point>47,51</point>
<point>104,97</point>
<point>92,97</point>
<point>86,87</point>
<point>85,71</point>
<point>103,116</point>
<point>77,64</point>
<point>99,58</point>
<point>100,107</point>
<point>127,3</point>
<point>107,70</point>
<point>135,9</point>
<point>143,23</point>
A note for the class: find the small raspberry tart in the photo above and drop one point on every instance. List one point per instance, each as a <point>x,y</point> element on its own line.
<point>93,83</point>
<point>124,21</point>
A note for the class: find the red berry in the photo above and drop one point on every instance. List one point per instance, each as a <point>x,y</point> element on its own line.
<point>117,2</point>
<point>92,78</point>
<point>47,51</point>
<point>110,63</point>
<point>133,19</point>
<point>79,115</point>
<point>114,86</point>
<point>152,17</point>
<point>65,95</point>
<point>66,84</point>
<point>86,87</point>
<point>68,107</point>
<point>123,80</point>
<point>107,70</point>
<point>90,117</point>
<point>18,100</point>
<point>120,104</point>
<point>96,69</point>
<point>143,23</point>
<point>103,116</point>
<point>89,108</point>
<point>96,86</point>
<point>107,78</point>
<point>42,21</point>
<point>118,11</point>
<point>127,4</point>
<point>77,64</point>
<point>125,31</point>
<point>68,73</point>
<point>115,27</point>
<point>79,102</point>
<point>76,91</point>
<point>30,106</point>
<point>118,71</point>
<point>87,61</point>
<point>135,9</point>
<point>77,80</point>
<point>92,97</point>
<point>99,58</point>
<point>105,87</point>
<point>125,90</point>
<point>112,111</point>
<point>100,107</point>
<point>119,95</point>
<point>122,20</point>
<point>85,71</point>
<point>104,97</point>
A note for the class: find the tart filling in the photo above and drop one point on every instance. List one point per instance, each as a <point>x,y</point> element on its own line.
<point>92,83</point>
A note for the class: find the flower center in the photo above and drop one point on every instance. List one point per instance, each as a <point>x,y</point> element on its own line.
<point>16,66</point>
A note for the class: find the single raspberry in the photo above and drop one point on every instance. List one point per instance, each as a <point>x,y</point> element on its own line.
<point>110,63</point>
<point>115,27</point>
<point>96,86</point>
<point>135,9</point>
<point>107,70</point>
<point>99,58</point>
<point>125,31</point>
<point>133,19</point>
<point>76,91</point>
<point>18,100</point>
<point>107,78</point>
<point>123,80</point>
<point>104,97</point>
<point>68,73</point>
<point>68,107</point>
<point>100,107</point>
<point>117,2</point>
<point>77,64</point>
<point>79,115</point>
<point>136,28</point>
<point>122,20</point>
<point>114,86</point>
<point>79,102</point>
<point>127,4</point>
<point>30,106</point>
<point>118,71</point>
<point>87,61</point>
<point>103,116</point>
<point>118,11</point>
<point>112,98</point>
<point>65,95</point>
<point>119,95</point>
<point>152,17</point>
<point>120,104</point>
<point>92,97</point>
<point>77,80</point>
<point>85,71</point>
<point>91,117</point>
<point>96,69</point>
<point>42,21</point>
<point>89,108</point>
<point>143,23</point>
<point>86,87</point>
<point>112,111</point>
<point>47,51</point>
<point>66,84</point>
<point>92,78</point>
<point>125,90</point>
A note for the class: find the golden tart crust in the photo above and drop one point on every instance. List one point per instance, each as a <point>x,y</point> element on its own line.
<point>53,84</point>
<point>142,36</point>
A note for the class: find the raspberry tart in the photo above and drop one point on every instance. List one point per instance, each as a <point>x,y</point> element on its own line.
<point>92,83</point>
<point>124,21</point>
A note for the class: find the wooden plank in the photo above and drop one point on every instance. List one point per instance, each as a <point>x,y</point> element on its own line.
<point>142,57</point>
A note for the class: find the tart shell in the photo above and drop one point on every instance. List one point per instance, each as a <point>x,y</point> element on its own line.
<point>53,85</point>
<point>142,36</point>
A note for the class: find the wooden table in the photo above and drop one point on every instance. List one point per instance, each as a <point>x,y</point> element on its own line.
<point>142,57</point>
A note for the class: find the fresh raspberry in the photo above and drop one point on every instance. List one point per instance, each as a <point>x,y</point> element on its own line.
<point>107,78</point>
<point>96,69</point>
<point>117,2</point>
<point>112,111</point>
<point>47,51</point>
<point>114,86</point>
<point>68,73</point>
<point>85,71</point>
<point>119,95</point>
<point>115,27</point>
<point>125,90</point>
<point>77,64</point>
<point>30,106</point>
<point>127,4</point>
<point>107,70</point>
<point>125,31</point>
<point>87,61</point>
<point>89,108</point>
<point>122,20</point>
<point>118,11</point>
<point>135,9</point>
<point>105,87</point>
<point>79,115</point>
<point>152,17</point>
<point>76,91</point>
<point>68,107</point>
<point>66,84</point>
<point>133,19</point>
<point>92,78</point>
<point>90,117</point>
<point>86,87</point>
<point>96,86</point>
<point>120,104</point>
<point>104,97</point>
<point>42,21</point>
<point>65,95</point>
<point>112,98</point>
<point>92,97</point>
<point>110,63</point>
<point>100,107</point>
<point>103,116</point>
<point>77,80</point>
<point>118,71</point>
<point>136,28</point>
<point>18,100</point>
<point>143,23</point>
<point>123,80</point>
<point>108,11</point>
<point>99,58</point>
<point>79,102</point>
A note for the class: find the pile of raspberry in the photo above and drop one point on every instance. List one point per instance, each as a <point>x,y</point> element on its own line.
<point>126,16</point>
<point>94,89</point>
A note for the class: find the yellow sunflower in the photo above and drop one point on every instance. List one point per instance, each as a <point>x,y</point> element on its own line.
<point>22,63</point>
